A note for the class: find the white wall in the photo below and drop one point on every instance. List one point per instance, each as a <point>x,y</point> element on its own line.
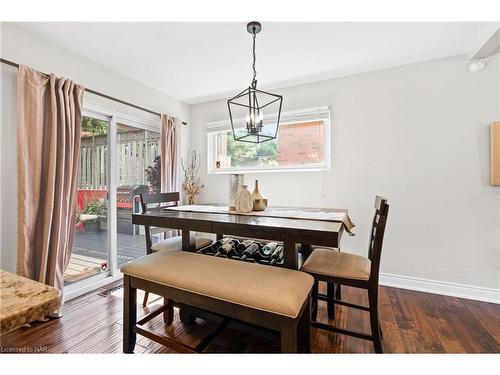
<point>8,182</point>
<point>25,48</point>
<point>417,134</point>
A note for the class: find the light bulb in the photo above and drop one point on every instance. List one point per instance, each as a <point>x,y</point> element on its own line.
<point>247,118</point>
<point>261,115</point>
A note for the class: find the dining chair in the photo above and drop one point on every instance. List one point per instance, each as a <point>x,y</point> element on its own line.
<point>331,288</point>
<point>159,201</point>
<point>343,268</point>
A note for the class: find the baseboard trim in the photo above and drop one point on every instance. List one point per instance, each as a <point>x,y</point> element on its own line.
<point>441,287</point>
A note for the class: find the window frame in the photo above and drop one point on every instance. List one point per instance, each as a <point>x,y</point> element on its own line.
<point>286,118</point>
<point>109,111</point>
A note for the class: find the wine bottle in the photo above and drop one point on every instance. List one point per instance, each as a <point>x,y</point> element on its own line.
<point>268,249</point>
<point>224,249</point>
<point>242,246</point>
<point>265,252</point>
<point>228,249</point>
<point>277,255</point>
<point>215,246</point>
<point>250,250</point>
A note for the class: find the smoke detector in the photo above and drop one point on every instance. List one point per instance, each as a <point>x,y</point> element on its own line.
<point>476,66</point>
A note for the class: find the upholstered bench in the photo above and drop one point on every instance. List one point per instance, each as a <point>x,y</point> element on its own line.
<point>272,298</point>
<point>23,301</point>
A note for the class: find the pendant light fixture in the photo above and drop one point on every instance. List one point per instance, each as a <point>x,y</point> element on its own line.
<point>246,110</point>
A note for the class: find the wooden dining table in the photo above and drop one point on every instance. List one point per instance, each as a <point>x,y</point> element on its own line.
<point>292,231</point>
<point>296,234</point>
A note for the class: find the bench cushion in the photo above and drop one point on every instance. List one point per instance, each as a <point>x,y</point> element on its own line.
<point>276,290</point>
<point>175,243</point>
<point>331,263</point>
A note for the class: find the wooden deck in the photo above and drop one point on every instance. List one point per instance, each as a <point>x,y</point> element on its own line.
<point>413,322</point>
<point>80,267</point>
<point>90,250</point>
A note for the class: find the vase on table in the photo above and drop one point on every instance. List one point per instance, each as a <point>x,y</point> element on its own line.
<point>191,198</point>
<point>258,201</point>
<point>236,181</point>
<point>244,202</point>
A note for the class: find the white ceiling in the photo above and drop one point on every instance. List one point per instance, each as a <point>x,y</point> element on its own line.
<point>196,62</point>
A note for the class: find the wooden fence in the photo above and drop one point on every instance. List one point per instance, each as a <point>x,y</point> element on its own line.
<point>135,151</point>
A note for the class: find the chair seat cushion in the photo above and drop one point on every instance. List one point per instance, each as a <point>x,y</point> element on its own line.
<point>337,264</point>
<point>272,289</point>
<point>175,243</point>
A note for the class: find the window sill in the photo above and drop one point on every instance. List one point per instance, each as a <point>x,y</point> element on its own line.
<point>269,170</point>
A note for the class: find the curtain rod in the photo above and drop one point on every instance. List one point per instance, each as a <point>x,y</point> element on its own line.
<point>16,65</point>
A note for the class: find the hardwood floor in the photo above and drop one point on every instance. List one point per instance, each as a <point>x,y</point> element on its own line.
<point>412,322</point>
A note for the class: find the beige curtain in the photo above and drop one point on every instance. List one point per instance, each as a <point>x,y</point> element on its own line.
<point>169,146</point>
<point>49,112</point>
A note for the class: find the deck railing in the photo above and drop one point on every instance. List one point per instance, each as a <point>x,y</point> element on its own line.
<point>135,152</point>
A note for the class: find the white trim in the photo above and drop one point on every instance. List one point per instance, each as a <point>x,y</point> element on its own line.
<point>293,168</point>
<point>112,185</point>
<point>132,120</point>
<point>89,287</point>
<point>441,287</point>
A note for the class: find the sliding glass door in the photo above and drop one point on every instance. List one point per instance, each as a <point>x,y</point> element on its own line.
<point>137,172</point>
<point>119,159</point>
<point>91,252</point>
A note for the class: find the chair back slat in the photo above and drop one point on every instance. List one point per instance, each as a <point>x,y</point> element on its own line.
<point>377,235</point>
<point>158,201</point>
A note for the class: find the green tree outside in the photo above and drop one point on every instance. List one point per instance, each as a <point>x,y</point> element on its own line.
<point>249,154</point>
<point>94,126</point>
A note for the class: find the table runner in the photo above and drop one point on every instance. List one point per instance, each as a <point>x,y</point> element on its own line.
<point>336,215</point>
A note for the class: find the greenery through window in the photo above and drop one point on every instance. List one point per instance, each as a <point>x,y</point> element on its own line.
<point>298,145</point>
<point>94,126</point>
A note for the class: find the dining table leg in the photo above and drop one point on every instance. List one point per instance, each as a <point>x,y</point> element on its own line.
<point>291,256</point>
<point>185,240</point>
<point>305,250</point>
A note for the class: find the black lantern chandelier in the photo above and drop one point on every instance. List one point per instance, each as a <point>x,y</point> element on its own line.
<point>249,106</point>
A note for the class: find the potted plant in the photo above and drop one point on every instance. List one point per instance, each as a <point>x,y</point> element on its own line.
<point>153,175</point>
<point>92,215</point>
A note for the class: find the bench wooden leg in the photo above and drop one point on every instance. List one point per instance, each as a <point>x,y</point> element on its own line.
<point>289,337</point>
<point>129,315</point>
<point>168,314</point>
<point>305,329</point>
<point>314,302</point>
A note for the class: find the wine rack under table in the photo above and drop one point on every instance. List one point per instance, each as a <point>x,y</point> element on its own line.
<point>269,253</point>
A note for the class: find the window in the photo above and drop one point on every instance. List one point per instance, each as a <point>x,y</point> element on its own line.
<point>303,143</point>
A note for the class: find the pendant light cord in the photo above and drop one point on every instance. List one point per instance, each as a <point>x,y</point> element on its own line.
<point>254,81</point>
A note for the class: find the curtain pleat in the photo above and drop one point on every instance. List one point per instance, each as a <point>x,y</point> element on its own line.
<point>169,146</point>
<point>49,112</point>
